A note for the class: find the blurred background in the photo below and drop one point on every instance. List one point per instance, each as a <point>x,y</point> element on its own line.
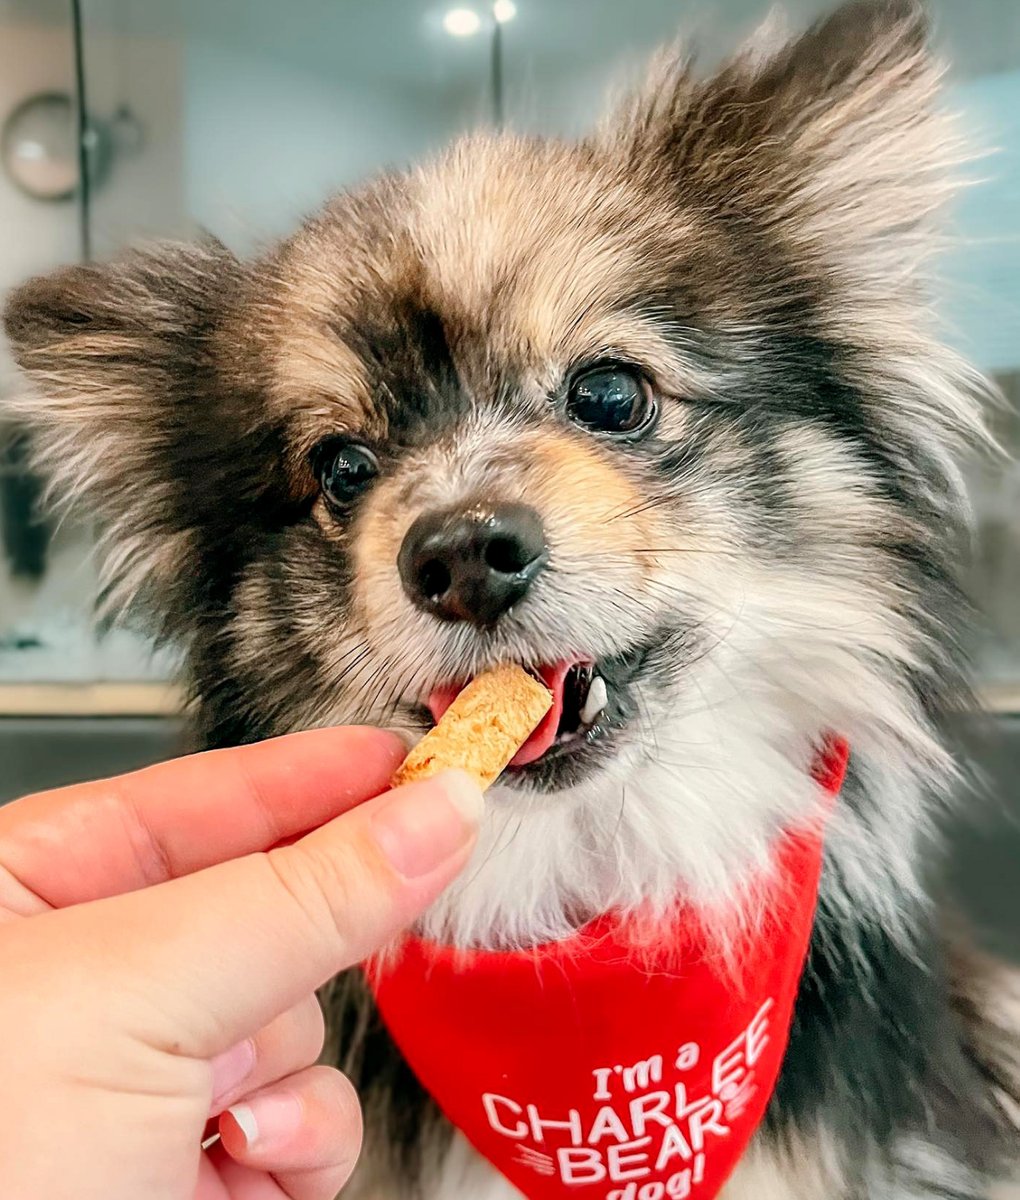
<point>123,119</point>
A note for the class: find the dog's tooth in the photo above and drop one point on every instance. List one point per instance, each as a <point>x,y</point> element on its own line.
<point>598,694</point>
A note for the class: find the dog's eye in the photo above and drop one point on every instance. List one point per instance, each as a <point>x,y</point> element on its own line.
<point>612,400</point>
<point>345,470</point>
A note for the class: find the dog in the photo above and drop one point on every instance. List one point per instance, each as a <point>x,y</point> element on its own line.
<point>668,407</point>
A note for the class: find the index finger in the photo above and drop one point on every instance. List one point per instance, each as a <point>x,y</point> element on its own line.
<point>94,840</point>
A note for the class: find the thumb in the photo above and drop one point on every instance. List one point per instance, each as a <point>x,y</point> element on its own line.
<point>210,958</point>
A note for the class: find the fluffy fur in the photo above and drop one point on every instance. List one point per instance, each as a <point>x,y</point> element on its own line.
<point>773,562</point>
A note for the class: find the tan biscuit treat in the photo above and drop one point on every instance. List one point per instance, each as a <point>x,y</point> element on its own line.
<point>482,729</point>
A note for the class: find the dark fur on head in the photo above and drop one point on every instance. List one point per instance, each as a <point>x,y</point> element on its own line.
<point>773,561</point>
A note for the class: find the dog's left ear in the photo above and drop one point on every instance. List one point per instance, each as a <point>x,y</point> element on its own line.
<point>834,140</point>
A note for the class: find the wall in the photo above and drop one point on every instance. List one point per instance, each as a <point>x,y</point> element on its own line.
<point>983,274</point>
<point>33,236</point>
<point>144,194</point>
<point>267,141</point>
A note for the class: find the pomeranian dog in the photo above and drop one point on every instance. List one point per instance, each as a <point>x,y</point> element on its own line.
<point>666,408</point>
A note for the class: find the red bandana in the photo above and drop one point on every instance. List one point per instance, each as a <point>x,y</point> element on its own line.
<point>586,1068</point>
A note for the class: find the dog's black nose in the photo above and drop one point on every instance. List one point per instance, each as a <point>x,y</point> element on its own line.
<point>472,564</point>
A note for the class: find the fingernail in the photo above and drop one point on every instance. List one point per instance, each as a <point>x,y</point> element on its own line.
<point>420,826</point>
<point>272,1117</point>
<point>409,737</point>
<point>231,1068</point>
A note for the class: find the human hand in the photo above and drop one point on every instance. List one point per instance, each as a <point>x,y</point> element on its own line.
<point>159,951</point>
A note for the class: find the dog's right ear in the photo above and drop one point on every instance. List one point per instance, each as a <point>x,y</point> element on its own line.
<point>140,413</point>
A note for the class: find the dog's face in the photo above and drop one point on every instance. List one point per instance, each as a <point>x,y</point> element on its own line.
<point>656,415</point>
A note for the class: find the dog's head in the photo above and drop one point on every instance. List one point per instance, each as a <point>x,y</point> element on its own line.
<point>658,414</point>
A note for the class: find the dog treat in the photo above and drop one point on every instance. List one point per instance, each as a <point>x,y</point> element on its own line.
<point>482,729</point>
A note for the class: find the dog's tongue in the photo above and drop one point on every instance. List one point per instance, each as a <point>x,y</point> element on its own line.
<point>552,675</point>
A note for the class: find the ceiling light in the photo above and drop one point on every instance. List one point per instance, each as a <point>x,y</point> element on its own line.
<point>504,10</point>
<point>462,22</point>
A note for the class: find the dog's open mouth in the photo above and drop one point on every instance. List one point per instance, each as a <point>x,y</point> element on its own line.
<point>594,703</point>
<point>579,696</point>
